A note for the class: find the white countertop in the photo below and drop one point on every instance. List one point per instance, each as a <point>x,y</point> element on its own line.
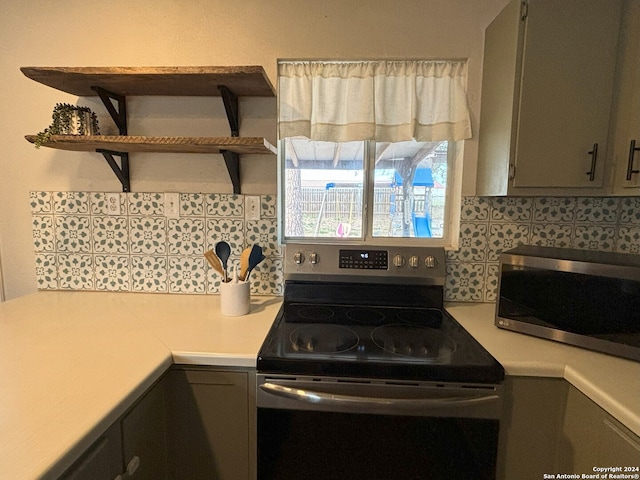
<point>71,363</point>
<point>611,382</point>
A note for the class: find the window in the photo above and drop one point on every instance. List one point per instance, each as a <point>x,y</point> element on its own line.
<point>351,174</point>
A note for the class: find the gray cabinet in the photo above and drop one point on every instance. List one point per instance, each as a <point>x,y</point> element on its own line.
<point>591,437</point>
<point>210,425</point>
<point>547,85</point>
<point>133,448</point>
<point>144,436</point>
<point>548,427</point>
<point>625,126</point>
<point>101,461</point>
<point>195,423</point>
<point>531,422</point>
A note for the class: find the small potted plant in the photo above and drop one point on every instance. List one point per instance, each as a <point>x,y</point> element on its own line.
<point>69,120</point>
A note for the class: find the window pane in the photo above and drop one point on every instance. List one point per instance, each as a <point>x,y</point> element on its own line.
<point>323,189</point>
<point>410,189</point>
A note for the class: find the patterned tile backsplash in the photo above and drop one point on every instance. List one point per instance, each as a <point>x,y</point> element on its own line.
<point>80,245</point>
<point>488,226</point>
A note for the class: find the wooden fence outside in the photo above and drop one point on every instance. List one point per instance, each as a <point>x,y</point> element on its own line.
<point>345,202</point>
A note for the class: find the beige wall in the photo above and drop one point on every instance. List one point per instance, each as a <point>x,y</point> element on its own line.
<point>193,32</point>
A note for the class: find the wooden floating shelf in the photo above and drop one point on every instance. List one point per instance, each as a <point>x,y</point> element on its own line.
<point>245,81</point>
<point>114,84</point>
<point>136,143</point>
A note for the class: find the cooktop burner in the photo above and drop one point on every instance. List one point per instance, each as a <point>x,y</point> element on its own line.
<point>413,341</point>
<point>404,339</point>
<point>315,312</point>
<point>323,339</point>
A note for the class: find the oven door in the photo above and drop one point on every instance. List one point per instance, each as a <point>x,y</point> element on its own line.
<point>337,428</point>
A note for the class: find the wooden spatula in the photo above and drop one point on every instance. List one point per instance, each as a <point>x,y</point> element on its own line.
<point>215,263</point>
<point>244,263</point>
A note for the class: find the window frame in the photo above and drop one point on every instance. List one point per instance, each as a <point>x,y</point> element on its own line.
<point>451,227</point>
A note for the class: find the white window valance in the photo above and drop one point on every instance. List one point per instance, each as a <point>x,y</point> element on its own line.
<point>385,101</point>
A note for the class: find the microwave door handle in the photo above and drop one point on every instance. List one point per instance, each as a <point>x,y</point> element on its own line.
<point>408,404</point>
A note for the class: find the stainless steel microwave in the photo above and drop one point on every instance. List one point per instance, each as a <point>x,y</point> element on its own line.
<point>582,298</point>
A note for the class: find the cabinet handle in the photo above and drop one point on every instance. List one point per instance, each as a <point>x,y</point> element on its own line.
<point>132,466</point>
<point>594,157</point>
<point>632,151</point>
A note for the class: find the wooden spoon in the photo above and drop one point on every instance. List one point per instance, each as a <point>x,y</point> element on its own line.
<point>215,263</point>
<point>244,262</point>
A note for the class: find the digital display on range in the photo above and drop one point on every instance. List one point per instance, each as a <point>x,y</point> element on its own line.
<point>364,259</point>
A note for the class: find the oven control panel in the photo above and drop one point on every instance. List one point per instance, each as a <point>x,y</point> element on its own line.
<point>358,259</point>
<point>309,262</point>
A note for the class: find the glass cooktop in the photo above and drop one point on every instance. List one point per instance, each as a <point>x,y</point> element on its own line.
<point>409,343</point>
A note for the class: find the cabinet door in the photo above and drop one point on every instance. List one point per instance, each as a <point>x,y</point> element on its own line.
<point>209,427</point>
<point>144,442</point>
<point>567,78</point>
<point>529,428</point>
<point>548,78</point>
<point>591,437</point>
<point>101,461</point>
<point>626,123</point>
<point>617,445</point>
<point>578,441</point>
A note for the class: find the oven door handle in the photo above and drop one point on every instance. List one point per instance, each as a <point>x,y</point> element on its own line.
<point>406,404</point>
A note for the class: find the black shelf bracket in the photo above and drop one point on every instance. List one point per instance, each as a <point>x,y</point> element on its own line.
<point>232,159</point>
<point>230,101</point>
<point>122,170</point>
<point>118,115</point>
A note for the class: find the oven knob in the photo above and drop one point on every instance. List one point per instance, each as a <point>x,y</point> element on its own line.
<point>298,258</point>
<point>430,262</point>
<point>313,258</point>
<point>398,261</point>
<point>414,261</point>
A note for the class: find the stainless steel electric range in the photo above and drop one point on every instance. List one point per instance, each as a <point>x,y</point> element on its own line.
<point>364,375</point>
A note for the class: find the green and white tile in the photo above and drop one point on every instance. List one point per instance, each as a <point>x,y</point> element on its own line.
<point>598,238</point>
<point>552,235</point>
<point>628,240</point>
<point>225,205</point>
<point>70,202</point>
<point>110,234</point>
<point>46,271</point>
<point>149,204</point>
<point>42,233</point>
<point>112,273</point>
<point>464,282</point>
<point>505,236</point>
<point>265,234</point>
<point>229,230</point>
<point>511,209</point>
<point>40,202</point>
<point>149,274</point>
<point>554,209</point>
<point>597,210</point>
<point>186,236</point>
<point>187,275</point>
<point>73,233</point>
<point>148,235</point>
<point>192,205</point>
<point>75,271</point>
